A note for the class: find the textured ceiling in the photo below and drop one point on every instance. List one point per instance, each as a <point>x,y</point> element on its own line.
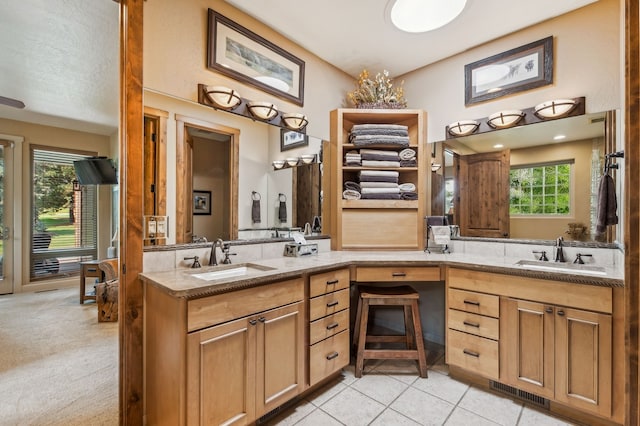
<point>60,57</point>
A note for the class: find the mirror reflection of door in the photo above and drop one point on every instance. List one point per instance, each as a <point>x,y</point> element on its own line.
<point>154,165</point>
<point>6,218</point>
<point>306,190</point>
<point>207,161</point>
<point>482,203</point>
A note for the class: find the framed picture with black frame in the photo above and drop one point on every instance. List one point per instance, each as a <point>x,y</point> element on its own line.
<point>202,202</point>
<point>523,68</point>
<point>290,139</point>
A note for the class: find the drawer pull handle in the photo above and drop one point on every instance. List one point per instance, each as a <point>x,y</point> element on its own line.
<point>471,302</point>
<point>398,274</point>
<point>262,319</point>
<point>253,322</point>
<point>331,304</point>
<point>332,282</point>
<point>472,353</point>
<point>471,324</point>
<point>332,326</point>
<point>549,310</point>
<point>561,312</point>
<point>332,355</point>
<point>92,270</point>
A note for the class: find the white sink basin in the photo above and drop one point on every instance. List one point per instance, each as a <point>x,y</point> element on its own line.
<point>228,271</point>
<point>573,268</point>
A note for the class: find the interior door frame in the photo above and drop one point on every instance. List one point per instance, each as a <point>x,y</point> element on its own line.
<point>10,204</point>
<point>184,185</point>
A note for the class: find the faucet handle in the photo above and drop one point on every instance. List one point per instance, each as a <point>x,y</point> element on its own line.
<point>543,255</point>
<point>196,261</point>
<point>579,257</point>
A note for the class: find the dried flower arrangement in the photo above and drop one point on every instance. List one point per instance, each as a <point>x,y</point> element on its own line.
<point>377,93</point>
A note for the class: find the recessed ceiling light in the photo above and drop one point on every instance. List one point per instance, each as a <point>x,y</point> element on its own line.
<point>417,16</point>
<point>559,137</point>
<point>498,145</point>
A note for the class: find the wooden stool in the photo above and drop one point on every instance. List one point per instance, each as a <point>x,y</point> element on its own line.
<point>404,296</point>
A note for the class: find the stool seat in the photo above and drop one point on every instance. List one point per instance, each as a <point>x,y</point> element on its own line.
<point>400,296</point>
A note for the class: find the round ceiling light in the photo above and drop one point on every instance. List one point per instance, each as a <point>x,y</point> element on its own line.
<point>417,16</point>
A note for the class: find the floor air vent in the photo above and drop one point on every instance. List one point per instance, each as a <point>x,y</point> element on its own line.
<point>520,394</point>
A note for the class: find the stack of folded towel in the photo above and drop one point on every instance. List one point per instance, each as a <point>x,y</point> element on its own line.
<point>407,158</point>
<point>408,191</point>
<point>379,134</point>
<point>379,184</point>
<point>352,158</point>
<point>379,158</point>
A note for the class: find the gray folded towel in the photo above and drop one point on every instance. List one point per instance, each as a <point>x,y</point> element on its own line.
<point>607,207</point>
<point>409,163</point>
<point>409,195</point>
<point>354,186</point>
<point>380,196</point>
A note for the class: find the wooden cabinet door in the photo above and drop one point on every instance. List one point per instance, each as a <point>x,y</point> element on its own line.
<point>583,360</point>
<point>527,346</point>
<point>280,356</point>
<point>221,374</point>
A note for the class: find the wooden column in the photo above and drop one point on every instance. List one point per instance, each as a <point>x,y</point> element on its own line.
<point>632,208</point>
<point>131,147</point>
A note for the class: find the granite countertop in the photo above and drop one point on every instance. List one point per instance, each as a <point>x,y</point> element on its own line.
<point>182,283</point>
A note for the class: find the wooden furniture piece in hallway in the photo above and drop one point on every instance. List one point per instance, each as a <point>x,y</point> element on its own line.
<point>107,291</point>
<point>402,296</point>
<point>89,269</point>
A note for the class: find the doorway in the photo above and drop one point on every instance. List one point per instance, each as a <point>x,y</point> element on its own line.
<point>207,171</point>
<point>6,217</point>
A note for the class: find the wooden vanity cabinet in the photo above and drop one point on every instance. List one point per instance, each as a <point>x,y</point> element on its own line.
<point>223,359</point>
<point>559,353</point>
<point>328,323</point>
<point>557,340</point>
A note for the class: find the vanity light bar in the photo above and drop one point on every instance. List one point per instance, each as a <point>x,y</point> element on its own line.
<point>555,109</point>
<point>505,119</point>
<point>463,127</point>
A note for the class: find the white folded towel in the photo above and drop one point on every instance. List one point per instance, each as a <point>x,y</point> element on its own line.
<point>441,234</point>
<point>380,163</point>
<point>407,154</point>
<point>407,187</point>
<point>378,185</point>
<point>350,194</point>
<point>388,173</point>
<point>380,191</point>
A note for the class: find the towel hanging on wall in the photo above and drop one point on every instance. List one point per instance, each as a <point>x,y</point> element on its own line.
<point>255,207</point>
<point>282,208</point>
<point>607,204</point>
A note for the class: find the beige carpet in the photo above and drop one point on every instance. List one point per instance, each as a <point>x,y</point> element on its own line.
<point>58,364</point>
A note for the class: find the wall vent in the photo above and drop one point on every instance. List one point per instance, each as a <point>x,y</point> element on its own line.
<point>520,394</point>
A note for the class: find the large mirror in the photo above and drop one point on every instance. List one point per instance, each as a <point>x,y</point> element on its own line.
<point>536,181</point>
<point>222,183</point>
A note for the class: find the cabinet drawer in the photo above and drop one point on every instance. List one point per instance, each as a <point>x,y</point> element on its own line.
<point>473,323</point>
<point>328,356</point>
<point>478,303</point>
<point>236,304</point>
<point>328,282</point>
<point>328,326</point>
<point>473,353</point>
<point>328,304</point>
<point>398,273</point>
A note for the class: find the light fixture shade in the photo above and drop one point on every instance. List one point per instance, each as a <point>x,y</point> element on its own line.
<point>294,120</point>
<point>463,127</point>
<point>505,119</point>
<point>278,164</point>
<point>262,110</point>
<point>556,108</point>
<point>435,167</point>
<point>223,97</point>
<point>292,161</point>
<point>308,158</point>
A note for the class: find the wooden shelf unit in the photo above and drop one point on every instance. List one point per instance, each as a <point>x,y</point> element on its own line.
<point>375,224</point>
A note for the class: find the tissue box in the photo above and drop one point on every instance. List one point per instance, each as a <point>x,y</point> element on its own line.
<point>297,250</point>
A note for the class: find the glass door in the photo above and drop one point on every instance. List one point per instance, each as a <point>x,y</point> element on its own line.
<point>6,218</point>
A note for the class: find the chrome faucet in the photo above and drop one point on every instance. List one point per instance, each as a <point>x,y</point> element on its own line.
<point>559,253</point>
<point>213,261</point>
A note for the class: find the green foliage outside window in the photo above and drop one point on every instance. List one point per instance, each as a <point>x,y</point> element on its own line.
<point>540,190</point>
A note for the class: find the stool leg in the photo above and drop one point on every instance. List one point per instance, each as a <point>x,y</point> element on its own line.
<point>409,330</point>
<point>422,356</point>
<point>362,337</point>
<point>356,327</point>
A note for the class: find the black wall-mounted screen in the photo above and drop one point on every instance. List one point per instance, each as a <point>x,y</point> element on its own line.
<point>96,171</point>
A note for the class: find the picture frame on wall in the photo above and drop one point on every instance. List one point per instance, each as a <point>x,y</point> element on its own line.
<point>516,70</point>
<point>202,202</point>
<point>290,139</point>
<point>239,53</point>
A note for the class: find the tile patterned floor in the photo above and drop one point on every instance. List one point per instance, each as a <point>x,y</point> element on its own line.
<point>390,392</point>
